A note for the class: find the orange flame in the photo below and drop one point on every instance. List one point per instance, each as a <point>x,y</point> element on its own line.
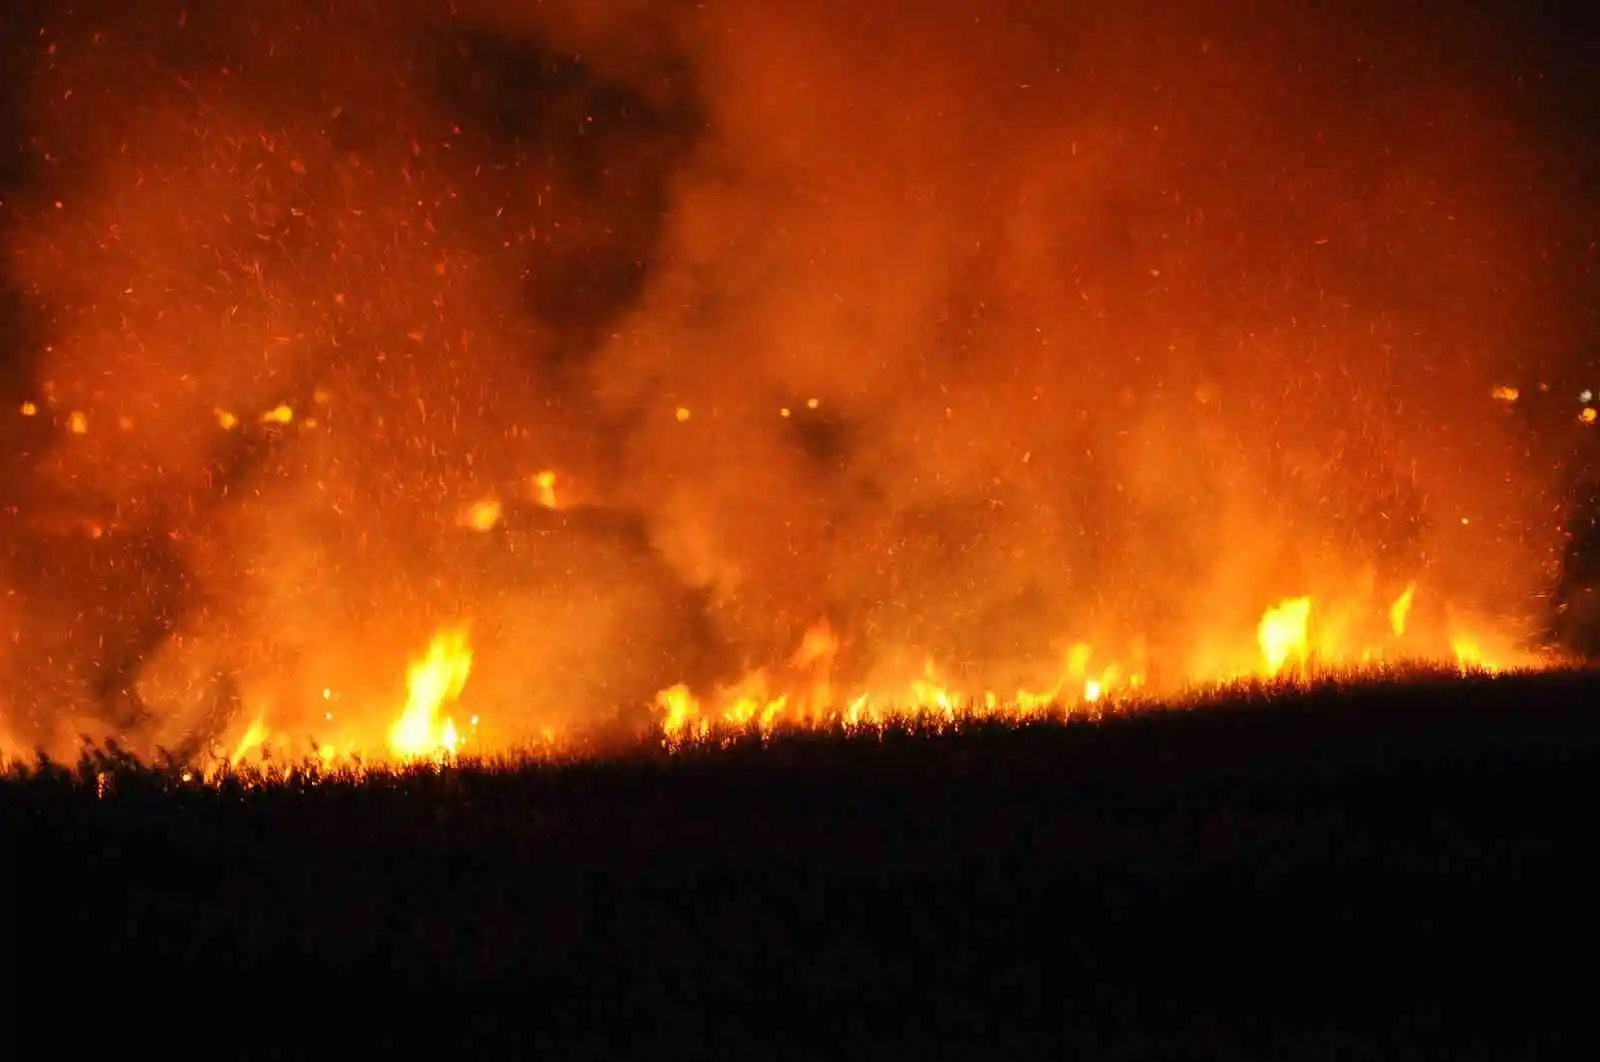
<point>433,682</point>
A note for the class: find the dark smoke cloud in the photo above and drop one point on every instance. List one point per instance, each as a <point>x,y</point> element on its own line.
<point>992,325</point>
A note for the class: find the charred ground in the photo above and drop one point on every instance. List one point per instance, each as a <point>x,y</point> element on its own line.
<point>1391,868</point>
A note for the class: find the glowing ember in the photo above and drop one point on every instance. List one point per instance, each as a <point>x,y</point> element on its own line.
<point>1506,394</point>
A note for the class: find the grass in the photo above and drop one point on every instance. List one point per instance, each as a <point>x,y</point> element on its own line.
<point>1342,869</point>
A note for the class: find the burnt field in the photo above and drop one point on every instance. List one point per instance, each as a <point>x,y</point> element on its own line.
<point>1394,869</point>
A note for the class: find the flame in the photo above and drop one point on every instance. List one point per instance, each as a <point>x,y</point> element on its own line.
<point>1505,394</point>
<point>255,737</point>
<point>432,683</point>
<point>1400,610</point>
<point>1283,637</point>
<point>1282,633</point>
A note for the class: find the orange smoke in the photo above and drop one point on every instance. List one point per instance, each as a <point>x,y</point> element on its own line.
<point>976,330</point>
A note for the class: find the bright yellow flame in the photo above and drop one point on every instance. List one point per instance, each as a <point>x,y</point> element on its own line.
<point>254,737</point>
<point>1468,656</point>
<point>433,682</point>
<point>278,415</point>
<point>1588,415</point>
<point>1282,633</point>
<point>1400,610</point>
<point>678,710</point>
<point>29,409</point>
<point>1505,394</point>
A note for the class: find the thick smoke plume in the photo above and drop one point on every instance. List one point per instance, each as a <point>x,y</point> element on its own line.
<point>973,328</point>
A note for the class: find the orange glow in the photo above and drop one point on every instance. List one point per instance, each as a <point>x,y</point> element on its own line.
<point>1064,364</point>
<point>482,515</point>
<point>545,488</point>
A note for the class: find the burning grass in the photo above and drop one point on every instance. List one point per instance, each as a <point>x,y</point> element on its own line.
<point>955,723</point>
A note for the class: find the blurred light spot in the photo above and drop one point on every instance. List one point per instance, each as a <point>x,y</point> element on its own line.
<point>77,423</point>
<point>1505,394</point>
<point>29,409</point>
<point>682,414</point>
<point>482,516</point>
<point>544,485</point>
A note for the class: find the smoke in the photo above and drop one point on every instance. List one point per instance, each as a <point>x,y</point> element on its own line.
<point>970,327</point>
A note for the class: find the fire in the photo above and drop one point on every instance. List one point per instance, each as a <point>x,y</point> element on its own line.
<point>1285,639</point>
<point>1282,633</point>
<point>1400,610</point>
<point>433,683</point>
<point>1079,428</point>
<point>255,736</point>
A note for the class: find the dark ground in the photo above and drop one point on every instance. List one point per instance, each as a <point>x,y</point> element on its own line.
<point>1394,872</point>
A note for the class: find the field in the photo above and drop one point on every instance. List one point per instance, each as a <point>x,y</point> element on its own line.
<point>1320,873</point>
